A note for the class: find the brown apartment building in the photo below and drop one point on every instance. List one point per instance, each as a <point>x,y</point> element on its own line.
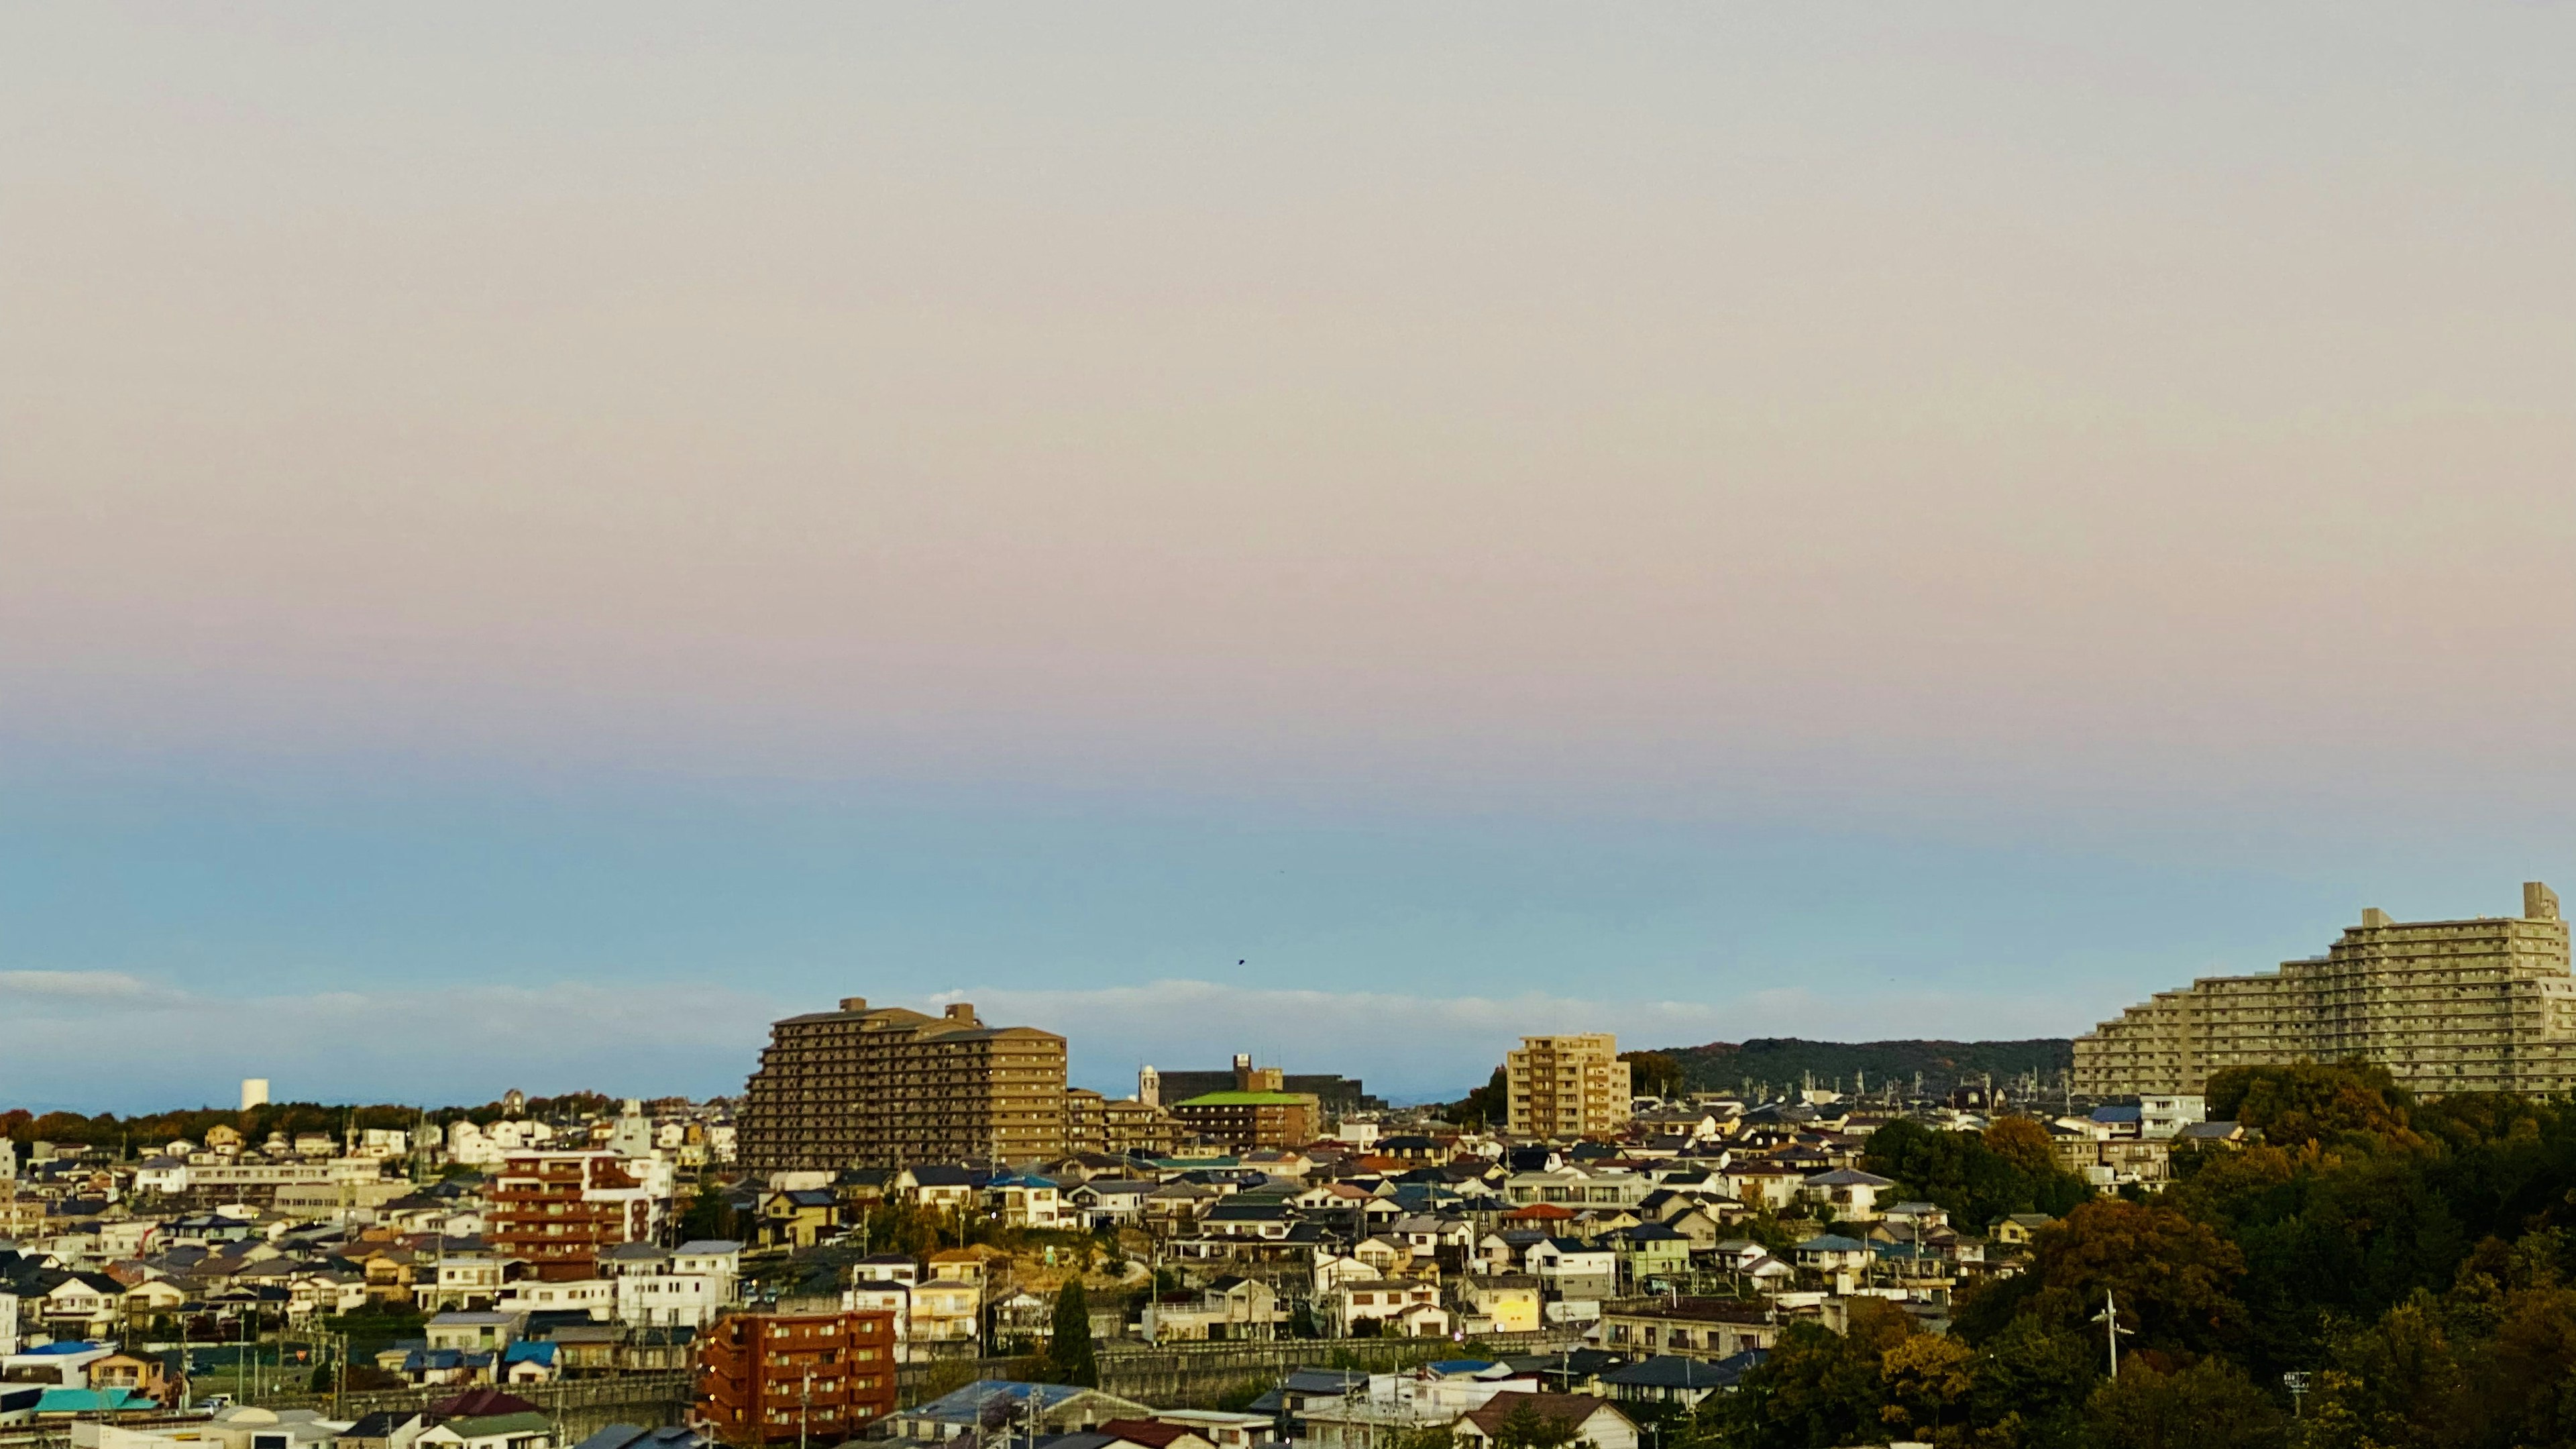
<point>886,1087</point>
<point>763,1378</point>
<point>558,1211</point>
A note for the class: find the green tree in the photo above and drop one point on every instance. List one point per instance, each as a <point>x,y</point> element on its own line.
<point>1069,1356</point>
<point>1817,1388</point>
<point>708,1216</point>
<point>2209,1405</point>
<point>1486,1106</point>
<point>2311,1102</point>
<point>1653,1074</point>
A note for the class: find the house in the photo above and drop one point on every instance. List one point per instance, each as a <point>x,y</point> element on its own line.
<point>989,1404</point>
<point>1761,1183</point>
<point>1215,1426</point>
<point>2222,1134</point>
<point>1574,1270</point>
<point>946,1189</point>
<point>2017,1229</point>
<point>529,1430</point>
<point>1392,1309</point>
<point>1229,1309</point>
<point>1025,1201</point>
<point>1649,1250</point>
<point>1499,1303</point>
<point>1592,1421</point>
<point>471,1329</point>
<point>161,1377</point>
<point>1677,1378</point>
<point>1836,1257</point>
<point>626,1436</point>
<point>798,1217</point>
<point>1114,1200</point>
<point>1154,1434</point>
<point>945,1310</point>
<point>1847,1194</point>
<point>1708,1329</point>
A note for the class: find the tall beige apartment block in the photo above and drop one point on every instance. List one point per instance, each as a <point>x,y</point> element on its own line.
<point>1565,1087</point>
<point>2447,1006</point>
<point>886,1087</point>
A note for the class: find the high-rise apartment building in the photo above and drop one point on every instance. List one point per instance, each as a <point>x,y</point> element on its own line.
<point>2447,1006</point>
<point>768,1378</point>
<point>894,1088</point>
<point>1565,1087</point>
<point>558,1211</point>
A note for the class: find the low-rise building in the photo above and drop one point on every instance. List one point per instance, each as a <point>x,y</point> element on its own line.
<point>766,1378</point>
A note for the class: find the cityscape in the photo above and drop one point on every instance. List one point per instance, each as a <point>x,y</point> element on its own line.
<point>908,1225</point>
<point>1160,726</point>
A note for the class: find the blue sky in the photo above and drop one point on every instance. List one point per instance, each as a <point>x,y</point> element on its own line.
<point>534,543</point>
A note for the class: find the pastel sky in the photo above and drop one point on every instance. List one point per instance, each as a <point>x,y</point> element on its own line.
<point>534,540</point>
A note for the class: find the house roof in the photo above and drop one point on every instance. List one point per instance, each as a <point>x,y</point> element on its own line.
<point>1556,1408</point>
<point>967,1405</point>
<point>1673,1371</point>
<point>1846,1177</point>
<point>1149,1432</point>
<point>480,1403</point>
<point>487,1426</point>
<point>629,1436</point>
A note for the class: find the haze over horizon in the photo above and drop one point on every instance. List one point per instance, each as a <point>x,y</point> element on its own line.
<point>533,543</point>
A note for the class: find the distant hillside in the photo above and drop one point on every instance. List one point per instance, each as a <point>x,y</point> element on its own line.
<point>1785,1060</point>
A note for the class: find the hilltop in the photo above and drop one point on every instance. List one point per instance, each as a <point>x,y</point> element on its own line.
<point>1779,1060</point>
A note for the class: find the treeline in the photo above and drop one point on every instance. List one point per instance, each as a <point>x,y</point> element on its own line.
<point>2414,1263</point>
<point>1785,1062</point>
<point>145,1130</point>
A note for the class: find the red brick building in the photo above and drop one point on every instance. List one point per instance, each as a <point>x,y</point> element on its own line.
<point>558,1211</point>
<point>766,1377</point>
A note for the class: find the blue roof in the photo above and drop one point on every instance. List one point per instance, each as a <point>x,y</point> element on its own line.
<point>66,1346</point>
<point>967,1405</point>
<point>527,1351</point>
<point>2116,1114</point>
<point>91,1401</point>
<point>1461,1365</point>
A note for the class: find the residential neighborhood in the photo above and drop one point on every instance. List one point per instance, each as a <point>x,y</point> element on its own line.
<point>1607,1256</point>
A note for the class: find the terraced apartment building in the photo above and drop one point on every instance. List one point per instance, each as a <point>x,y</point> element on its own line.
<point>887,1087</point>
<point>2486,1004</point>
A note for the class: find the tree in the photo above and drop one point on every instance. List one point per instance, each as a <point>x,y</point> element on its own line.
<point>1926,1379</point>
<point>707,1215</point>
<point>1069,1358</point>
<point>2173,1277</point>
<point>2024,1144</point>
<point>2310,1102</point>
<point>1819,1388</point>
<point>1486,1106</point>
<point>2206,1406</point>
<point>1653,1074</point>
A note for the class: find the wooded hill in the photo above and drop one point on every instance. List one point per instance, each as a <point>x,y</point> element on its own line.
<point>1785,1060</point>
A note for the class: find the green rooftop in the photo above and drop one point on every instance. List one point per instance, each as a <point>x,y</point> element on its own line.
<point>1248,1099</point>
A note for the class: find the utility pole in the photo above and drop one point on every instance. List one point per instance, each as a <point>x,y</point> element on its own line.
<point>2109,1318</point>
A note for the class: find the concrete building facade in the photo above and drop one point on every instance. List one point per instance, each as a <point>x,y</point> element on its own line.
<point>894,1088</point>
<point>2486,1004</point>
<point>1566,1087</point>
